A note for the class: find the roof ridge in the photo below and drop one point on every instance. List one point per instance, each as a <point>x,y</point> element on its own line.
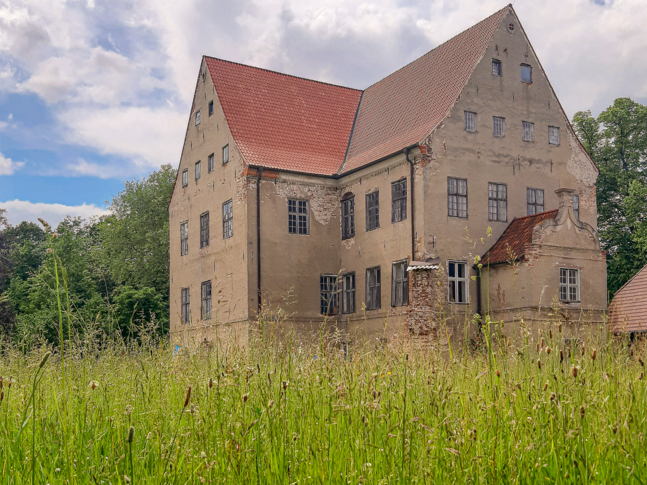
<point>644,268</point>
<point>283,74</point>
<point>532,215</point>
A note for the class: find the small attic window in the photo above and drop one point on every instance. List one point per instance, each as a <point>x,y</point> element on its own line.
<point>526,74</point>
<point>210,108</point>
<point>497,69</point>
<point>204,75</point>
<point>197,118</point>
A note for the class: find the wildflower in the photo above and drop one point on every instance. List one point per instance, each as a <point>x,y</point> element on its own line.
<point>574,371</point>
<point>55,235</point>
<point>50,250</point>
<point>203,455</point>
<point>93,385</point>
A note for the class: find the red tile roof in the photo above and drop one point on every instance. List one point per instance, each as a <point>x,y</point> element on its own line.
<point>290,123</point>
<point>285,122</point>
<point>628,309</point>
<point>404,107</point>
<point>512,244</point>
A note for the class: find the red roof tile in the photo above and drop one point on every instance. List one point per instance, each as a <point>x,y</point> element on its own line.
<point>404,107</point>
<point>514,240</point>
<point>285,122</point>
<point>628,309</point>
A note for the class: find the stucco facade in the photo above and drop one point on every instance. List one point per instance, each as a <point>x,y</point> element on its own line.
<point>291,264</point>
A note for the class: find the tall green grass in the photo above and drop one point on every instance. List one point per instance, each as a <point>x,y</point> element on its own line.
<point>280,413</point>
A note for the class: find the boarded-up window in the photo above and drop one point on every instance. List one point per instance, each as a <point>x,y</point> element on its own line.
<point>184,238</point>
<point>498,126</point>
<point>185,305</point>
<point>298,216</point>
<point>329,294</point>
<point>348,218</point>
<point>228,219</point>
<point>569,285</point>
<point>576,206</point>
<point>373,288</point>
<point>553,135</point>
<point>458,282</point>
<point>535,201</point>
<point>348,293</point>
<point>497,68</point>
<point>470,121</point>
<point>399,284</point>
<point>457,197</point>
<point>206,300</point>
<point>204,230</point>
<point>197,118</point>
<point>497,202</point>
<point>528,131</point>
<point>399,201</point>
<point>372,210</point>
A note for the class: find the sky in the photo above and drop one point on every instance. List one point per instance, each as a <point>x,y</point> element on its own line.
<point>94,93</point>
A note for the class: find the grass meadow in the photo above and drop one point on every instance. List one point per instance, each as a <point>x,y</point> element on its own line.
<point>110,412</point>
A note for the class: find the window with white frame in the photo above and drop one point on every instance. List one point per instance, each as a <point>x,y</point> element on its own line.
<point>458,282</point>
<point>399,201</point>
<point>348,293</point>
<point>576,206</point>
<point>204,230</point>
<point>228,219</point>
<point>225,154</point>
<point>210,163</point>
<point>553,135</point>
<point>534,201</point>
<point>526,73</point>
<point>206,300</point>
<point>497,68</point>
<point>185,177</point>
<point>528,131</point>
<point>498,126</point>
<point>470,121</point>
<point>497,202</point>
<point>198,169</point>
<point>569,285</point>
<point>197,118</point>
<point>185,304</point>
<point>348,217</point>
<point>373,288</point>
<point>329,294</point>
<point>456,197</point>
<point>297,216</point>
<point>184,238</point>
<point>399,284</point>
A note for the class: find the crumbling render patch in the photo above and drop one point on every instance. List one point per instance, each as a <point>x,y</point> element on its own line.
<point>580,167</point>
<point>323,200</point>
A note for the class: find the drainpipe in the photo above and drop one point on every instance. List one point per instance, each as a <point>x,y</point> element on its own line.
<point>258,234</point>
<point>413,207</point>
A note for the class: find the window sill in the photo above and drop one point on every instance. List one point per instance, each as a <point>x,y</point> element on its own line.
<point>458,303</point>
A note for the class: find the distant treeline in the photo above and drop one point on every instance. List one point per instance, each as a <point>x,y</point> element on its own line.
<point>114,271</point>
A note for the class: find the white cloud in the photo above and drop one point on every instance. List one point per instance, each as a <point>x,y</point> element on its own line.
<point>23,210</point>
<point>83,168</point>
<point>8,166</point>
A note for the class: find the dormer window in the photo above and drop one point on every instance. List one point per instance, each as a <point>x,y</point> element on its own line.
<point>526,74</point>
<point>497,68</point>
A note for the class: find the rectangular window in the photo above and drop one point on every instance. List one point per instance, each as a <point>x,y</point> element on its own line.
<point>198,170</point>
<point>204,230</point>
<point>184,238</point>
<point>348,293</point>
<point>210,108</point>
<point>373,289</point>
<point>206,300</point>
<point>457,278</point>
<point>470,121</point>
<point>329,294</point>
<point>399,284</point>
<point>457,197</point>
<point>185,177</point>
<point>348,218</point>
<point>225,154</point>
<point>526,73</point>
<point>498,126</point>
<point>497,68</point>
<point>553,135</point>
<point>399,201</point>
<point>197,118</point>
<point>372,210</point>
<point>535,201</point>
<point>228,219</point>
<point>297,216</point>
<point>497,202</point>
<point>528,131</point>
<point>569,285</point>
<point>185,305</point>
<point>576,206</point>
<point>210,163</point>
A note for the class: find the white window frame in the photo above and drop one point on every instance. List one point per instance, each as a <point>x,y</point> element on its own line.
<point>569,285</point>
<point>527,131</point>
<point>453,282</point>
<point>197,117</point>
<point>329,294</point>
<point>497,202</point>
<point>553,135</point>
<point>470,121</point>
<point>498,126</point>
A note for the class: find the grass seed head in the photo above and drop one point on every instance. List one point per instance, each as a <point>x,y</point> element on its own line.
<point>641,362</point>
<point>545,386</point>
<point>552,396</point>
<point>548,350</point>
<point>498,373</point>
<point>270,404</point>
<point>593,354</point>
<point>561,356</point>
<point>131,434</point>
<point>285,385</point>
<point>574,371</point>
<point>582,411</point>
<point>1,396</point>
<point>188,396</point>
<point>539,364</point>
<point>210,382</point>
<point>44,359</point>
<point>245,398</point>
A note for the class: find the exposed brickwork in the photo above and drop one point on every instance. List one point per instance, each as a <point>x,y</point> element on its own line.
<point>425,301</point>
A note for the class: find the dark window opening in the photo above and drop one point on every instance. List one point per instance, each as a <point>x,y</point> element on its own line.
<point>210,108</point>
<point>184,238</point>
<point>576,206</point>
<point>457,197</point>
<point>535,201</point>
<point>185,305</point>
<point>348,218</point>
<point>206,300</point>
<point>198,170</point>
<point>399,201</point>
<point>497,68</point>
<point>329,294</point>
<point>204,230</point>
<point>225,154</point>
<point>470,121</point>
<point>498,126</point>
<point>458,282</point>
<point>348,293</point>
<point>399,284</point>
<point>373,289</point>
<point>569,285</point>
<point>497,202</point>
<point>210,163</point>
<point>373,210</point>
<point>228,219</point>
<point>298,216</point>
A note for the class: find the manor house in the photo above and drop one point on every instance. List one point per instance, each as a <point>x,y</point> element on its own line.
<point>455,186</point>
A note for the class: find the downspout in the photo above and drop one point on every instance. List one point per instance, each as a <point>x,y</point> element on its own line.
<point>413,207</point>
<point>258,235</point>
